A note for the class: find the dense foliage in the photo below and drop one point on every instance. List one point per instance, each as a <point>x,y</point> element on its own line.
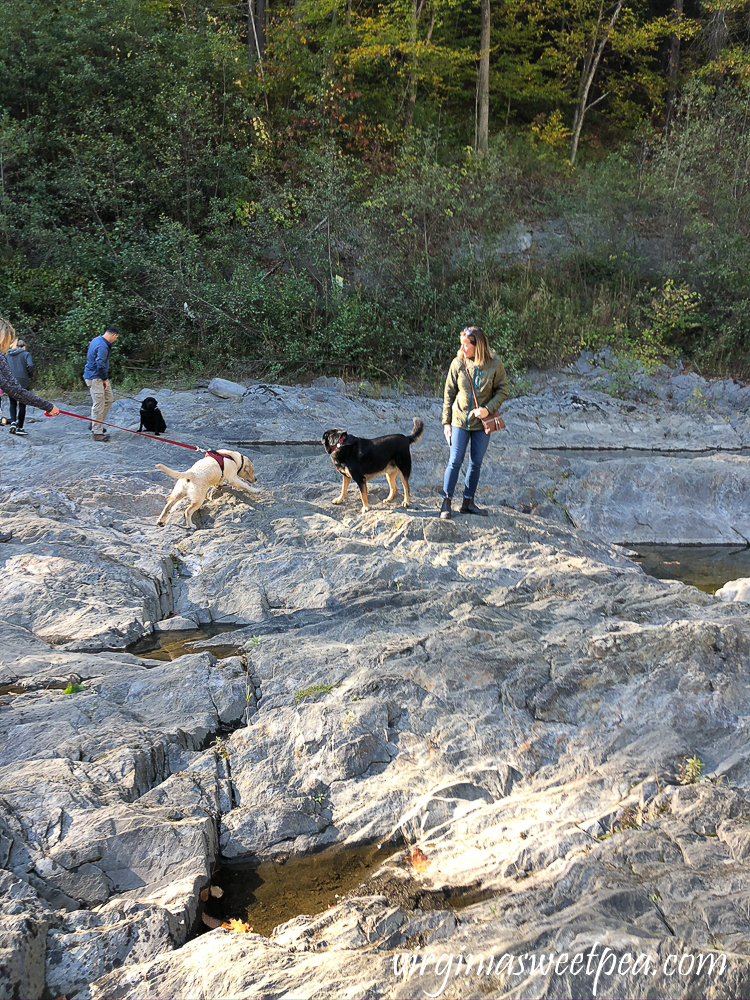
<point>297,189</point>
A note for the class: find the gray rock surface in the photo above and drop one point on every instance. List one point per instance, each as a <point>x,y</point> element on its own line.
<point>225,389</point>
<point>511,695</point>
<point>735,590</point>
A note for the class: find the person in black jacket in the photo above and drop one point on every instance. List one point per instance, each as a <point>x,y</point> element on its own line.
<point>22,370</point>
<point>9,384</point>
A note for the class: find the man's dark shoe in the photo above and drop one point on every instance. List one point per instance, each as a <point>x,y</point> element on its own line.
<point>469,507</point>
<point>445,510</point>
<point>100,437</point>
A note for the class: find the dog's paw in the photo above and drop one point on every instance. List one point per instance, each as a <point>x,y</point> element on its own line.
<point>337,501</point>
<point>365,510</point>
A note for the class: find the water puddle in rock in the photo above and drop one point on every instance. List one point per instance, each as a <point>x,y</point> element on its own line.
<point>170,645</point>
<point>31,686</point>
<point>270,893</point>
<point>707,567</point>
<point>11,689</point>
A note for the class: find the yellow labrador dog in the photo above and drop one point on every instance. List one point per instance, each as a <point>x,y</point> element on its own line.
<point>216,469</point>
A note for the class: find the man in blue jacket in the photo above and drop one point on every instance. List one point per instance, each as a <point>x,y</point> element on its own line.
<point>96,377</point>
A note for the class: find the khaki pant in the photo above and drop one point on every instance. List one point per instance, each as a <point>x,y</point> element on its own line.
<point>101,400</point>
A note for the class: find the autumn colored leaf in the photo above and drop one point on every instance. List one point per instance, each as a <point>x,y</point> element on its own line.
<point>238,926</point>
<point>418,858</point>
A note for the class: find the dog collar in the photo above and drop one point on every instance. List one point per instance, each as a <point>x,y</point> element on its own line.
<point>341,440</point>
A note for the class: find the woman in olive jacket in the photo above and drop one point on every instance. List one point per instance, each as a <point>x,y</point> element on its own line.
<point>474,365</point>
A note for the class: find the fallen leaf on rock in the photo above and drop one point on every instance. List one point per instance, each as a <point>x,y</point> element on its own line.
<point>211,921</point>
<point>204,895</point>
<point>216,891</point>
<point>239,926</point>
<point>418,859</point>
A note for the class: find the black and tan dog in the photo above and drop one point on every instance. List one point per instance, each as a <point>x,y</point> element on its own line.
<point>361,459</point>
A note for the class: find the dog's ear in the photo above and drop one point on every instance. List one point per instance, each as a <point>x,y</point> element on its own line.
<point>335,439</point>
<point>329,439</point>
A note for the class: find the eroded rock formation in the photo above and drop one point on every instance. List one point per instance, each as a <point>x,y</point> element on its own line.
<point>511,695</point>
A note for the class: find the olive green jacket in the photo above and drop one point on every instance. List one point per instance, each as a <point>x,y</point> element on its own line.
<point>490,385</point>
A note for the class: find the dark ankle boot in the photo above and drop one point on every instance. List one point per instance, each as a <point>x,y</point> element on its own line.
<point>469,507</point>
<point>445,510</point>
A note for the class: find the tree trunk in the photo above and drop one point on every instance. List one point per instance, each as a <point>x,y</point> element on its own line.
<point>251,43</point>
<point>674,60</point>
<point>260,26</point>
<point>717,33</point>
<point>412,86</point>
<point>256,29</point>
<point>483,82</point>
<point>589,72</point>
<point>418,7</point>
<point>256,38</point>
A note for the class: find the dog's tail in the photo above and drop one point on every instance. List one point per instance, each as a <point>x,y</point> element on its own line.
<point>170,472</point>
<point>417,430</point>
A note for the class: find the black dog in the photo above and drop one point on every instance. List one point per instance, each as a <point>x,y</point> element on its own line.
<point>151,418</point>
<point>362,458</point>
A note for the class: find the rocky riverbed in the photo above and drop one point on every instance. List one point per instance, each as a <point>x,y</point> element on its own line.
<point>510,699</point>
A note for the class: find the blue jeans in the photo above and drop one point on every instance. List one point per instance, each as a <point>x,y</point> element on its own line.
<point>460,438</point>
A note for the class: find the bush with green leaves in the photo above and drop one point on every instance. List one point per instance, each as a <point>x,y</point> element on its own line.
<point>265,224</point>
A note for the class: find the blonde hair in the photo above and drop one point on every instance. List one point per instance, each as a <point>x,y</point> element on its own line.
<point>483,352</point>
<point>7,336</point>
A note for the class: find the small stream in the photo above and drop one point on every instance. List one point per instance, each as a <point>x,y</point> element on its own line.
<point>170,645</point>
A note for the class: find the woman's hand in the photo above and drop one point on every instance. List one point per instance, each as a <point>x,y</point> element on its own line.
<point>480,411</point>
<point>447,432</point>
<point>52,413</point>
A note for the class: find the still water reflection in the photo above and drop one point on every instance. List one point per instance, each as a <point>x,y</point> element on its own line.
<point>707,567</point>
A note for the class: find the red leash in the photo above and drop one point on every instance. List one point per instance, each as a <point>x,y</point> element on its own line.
<point>180,444</point>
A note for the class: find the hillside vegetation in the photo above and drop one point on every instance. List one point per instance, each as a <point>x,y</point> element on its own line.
<point>331,187</point>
